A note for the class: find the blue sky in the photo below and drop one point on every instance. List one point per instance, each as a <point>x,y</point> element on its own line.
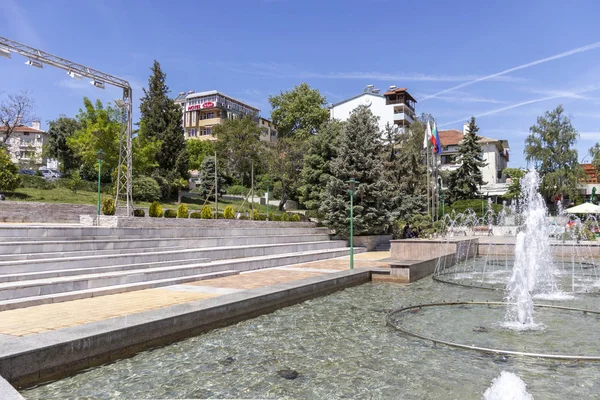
<point>255,48</point>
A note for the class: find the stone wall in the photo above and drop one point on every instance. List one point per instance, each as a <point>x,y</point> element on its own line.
<point>371,241</point>
<point>25,211</point>
<point>147,222</point>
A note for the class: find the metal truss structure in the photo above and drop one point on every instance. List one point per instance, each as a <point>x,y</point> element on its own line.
<point>99,79</point>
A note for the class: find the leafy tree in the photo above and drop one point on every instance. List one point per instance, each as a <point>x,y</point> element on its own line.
<point>206,187</point>
<point>549,147</point>
<point>239,145</point>
<point>299,112</point>
<point>358,157</point>
<point>144,158</point>
<point>15,110</point>
<point>285,158</point>
<point>9,172</point>
<point>465,181</point>
<point>595,154</point>
<point>404,170</point>
<point>98,129</point>
<point>514,188</point>
<point>198,150</point>
<point>322,148</point>
<point>161,121</point>
<point>58,133</point>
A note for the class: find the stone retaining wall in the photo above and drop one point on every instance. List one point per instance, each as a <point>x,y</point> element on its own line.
<point>25,211</point>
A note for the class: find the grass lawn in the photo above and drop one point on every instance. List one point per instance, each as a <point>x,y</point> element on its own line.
<point>64,195</point>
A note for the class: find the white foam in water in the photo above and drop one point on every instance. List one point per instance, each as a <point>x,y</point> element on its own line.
<point>507,386</point>
<point>554,296</point>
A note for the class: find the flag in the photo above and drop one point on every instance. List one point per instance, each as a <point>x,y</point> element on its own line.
<point>427,137</point>
<point>437,144</point>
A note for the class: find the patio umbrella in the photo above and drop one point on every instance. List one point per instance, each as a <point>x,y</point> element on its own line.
<point>585,208</point>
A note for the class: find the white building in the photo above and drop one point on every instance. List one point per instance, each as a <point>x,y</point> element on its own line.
<point>495,154</point>
<point>394,107</point>
<point>26,143</point>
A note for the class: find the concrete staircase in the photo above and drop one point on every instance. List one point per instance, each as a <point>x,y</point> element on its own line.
<point>40,265</point>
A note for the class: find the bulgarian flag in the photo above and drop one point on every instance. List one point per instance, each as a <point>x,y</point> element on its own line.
<point>427,137</point>
<point>435,140</point>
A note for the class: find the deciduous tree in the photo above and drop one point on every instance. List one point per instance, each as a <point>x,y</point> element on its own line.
<point>15,110</point>
<point>59,131</point>
<point>239,145</point>
<point>9,172</point>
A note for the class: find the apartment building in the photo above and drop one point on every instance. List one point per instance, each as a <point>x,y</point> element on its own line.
<point>395,107</point>
<point>203,111</point>
<point>26,144</point>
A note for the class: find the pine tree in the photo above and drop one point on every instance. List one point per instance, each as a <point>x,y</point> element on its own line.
<point>465,181</point>
<point>316,171</point>
<point>206,187</point>
<point>358,157</point>
<point>161,121</point>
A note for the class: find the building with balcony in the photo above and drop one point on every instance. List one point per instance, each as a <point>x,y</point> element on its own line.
<point>495,153</point>
<point>268,130</point>
<point>26,143</point>
<point>202,111</point>
<point>394,107</point>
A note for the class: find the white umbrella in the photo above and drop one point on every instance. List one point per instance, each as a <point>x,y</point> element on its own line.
<point>585,208</point>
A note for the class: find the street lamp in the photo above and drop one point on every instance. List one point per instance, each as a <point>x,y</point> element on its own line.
<point>351,185</point>
<point>482,211</point>
<point>268,183</point>
<point>100,155</point>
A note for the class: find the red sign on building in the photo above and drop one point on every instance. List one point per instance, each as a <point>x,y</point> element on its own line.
<point>194,108</point>
<point>208,104</point>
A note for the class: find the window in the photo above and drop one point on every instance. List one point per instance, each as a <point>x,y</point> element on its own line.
<point>206,131</point>
<point>187,119</point>
<point>194,114</point>
<point>208,115</point>
<point>192,132</point>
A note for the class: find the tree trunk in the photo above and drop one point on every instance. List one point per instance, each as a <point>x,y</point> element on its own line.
<point>283,197</point>
<point>179,195</point>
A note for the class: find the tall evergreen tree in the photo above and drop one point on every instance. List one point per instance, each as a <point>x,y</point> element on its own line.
<point>322,148</point>
<point>161,121</point>
<point>206,187</point>
<point>358,157</point>
<point>465,181</point>
<point>550,146</point>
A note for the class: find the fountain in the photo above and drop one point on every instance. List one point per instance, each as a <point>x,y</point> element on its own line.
<point>507,386</point>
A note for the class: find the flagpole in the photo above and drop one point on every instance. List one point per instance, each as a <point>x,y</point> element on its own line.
<point>427,173</point>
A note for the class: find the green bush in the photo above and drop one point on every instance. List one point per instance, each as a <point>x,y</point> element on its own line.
<point>237,190</point>
<point>261,217</point>
<point>274,217</point>
<point>75,183</point>
<point>164,185</point>
<point>460,206</point>
<point>285,217</point>
<point>229,213</point>
<point>254,215</point>
<point>36,182</point>
<point>170,213</point>
<point>196,215</point>
<point>243,217</point>
<point>145,188</point>
<point>155,210</point>
<point>295,218</point>
<point>207,212</point>
<point>139,212</point>
<point>108,207</point>
<point>182,211</point>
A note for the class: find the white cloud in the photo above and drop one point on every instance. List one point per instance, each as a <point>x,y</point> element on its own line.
<point>517,68</point>
<point>589,136</point>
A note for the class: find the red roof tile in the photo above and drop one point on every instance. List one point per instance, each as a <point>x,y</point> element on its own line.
<point>23,128</point>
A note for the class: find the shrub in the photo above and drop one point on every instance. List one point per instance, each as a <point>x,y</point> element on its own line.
<point>254,215</point>
<point>228,213</point>
<point>196,215</point>
<point>237,190</point>
<point>285,217</point>
<point>139,212</point>
<point>35,182</point>
<point>164,185</point>
<point>182,211</point>
<point>261,217</point>
<point>155,210</point>
<point>295,218</point>
<point>170,213</point>
<point>108,207</point>
<point>75,182</point>
<point>275,217</point>
<point>145,189</point>
<point>207,212</point>
<point>243,217</point>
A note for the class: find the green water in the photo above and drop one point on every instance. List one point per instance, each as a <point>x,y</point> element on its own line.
<point>342,348</point>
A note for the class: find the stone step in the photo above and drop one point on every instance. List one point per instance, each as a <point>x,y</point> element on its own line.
<point>81,253</point>
<point>47,246</point>
<point>214,253</point>
<point>43,291</point>
<point>96,292</point>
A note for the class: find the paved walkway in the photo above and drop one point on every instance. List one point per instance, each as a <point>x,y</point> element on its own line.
<point>33,320</point>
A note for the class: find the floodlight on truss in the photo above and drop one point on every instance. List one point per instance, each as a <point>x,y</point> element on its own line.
<point>75,75</point>
<point>98,84</point>
<point>34,63</point>
<point>4,53</point>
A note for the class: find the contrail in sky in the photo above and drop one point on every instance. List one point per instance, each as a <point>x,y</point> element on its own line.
<point>524,103</point>
<point>507,71</point>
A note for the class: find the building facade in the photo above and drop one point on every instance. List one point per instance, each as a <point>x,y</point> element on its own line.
<point>203,111</point>
<point>396,107</point>
<point>495,153</point>
<point>26,144</point>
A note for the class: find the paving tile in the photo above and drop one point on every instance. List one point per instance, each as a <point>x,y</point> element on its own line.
<point>257,279</point>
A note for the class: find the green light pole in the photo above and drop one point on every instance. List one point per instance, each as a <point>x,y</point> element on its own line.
<point>482,211</point>
<point>100,155</point>
<point>268,183</point>
<point>351,185</point>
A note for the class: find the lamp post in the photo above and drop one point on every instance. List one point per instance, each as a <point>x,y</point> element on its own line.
<point>100,155</point>
<point>268,183</point>
<point>482,210</point>
<point>351,185</point>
